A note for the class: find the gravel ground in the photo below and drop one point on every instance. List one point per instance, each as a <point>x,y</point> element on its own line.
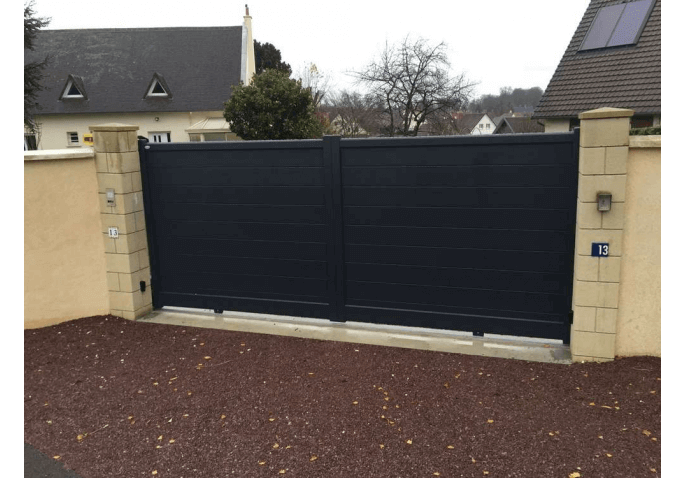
<point>114,398</point>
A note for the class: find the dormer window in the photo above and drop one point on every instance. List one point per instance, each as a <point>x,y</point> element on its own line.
<point>158,88</point>
<point>74,89</point>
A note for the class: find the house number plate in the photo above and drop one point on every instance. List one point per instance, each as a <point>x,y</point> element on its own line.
<point>600,249</point>
<point>114,232</point>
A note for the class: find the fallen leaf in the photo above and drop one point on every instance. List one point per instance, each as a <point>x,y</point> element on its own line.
<point>185,414</point>
<point>592,404</point>
<point>313,457</point>
<point>79,437</point>
<point>450,447</point>
<point>56,457</point>
<point>355,402</point>
<point>275,446</point>
<point>221,418</point>
<point>457,375</point>
<point>397,406</point>
<point>382,446</point>
<point>272,419</point>
<point>600,436</point>
<point>386,398</point>
<point>551,434</point>
<point>282,472</point>
<point>172,440</point>
<point>130,417</point>
<point>446,385</point>
<point>159,437</point>
<point>384,407</point>
<point>207,357</point>
<point>576,474</point>
<point>609,455</point>
<point>287,447</point>
<point>158,446</point>
<point>490,421</point>
<point>485,472</point>
<point>473,460</point>
<point>653,470</point>
<point>154,472</point>
<point>436,473</point>
<point>605,406</point>
<point>646,433</point>
<point>261,463</point>
<point>310,373</point>
<point>155,383</point>
<point>654,439</point>
<point>409,442</point>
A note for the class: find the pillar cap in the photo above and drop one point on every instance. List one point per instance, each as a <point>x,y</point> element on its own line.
<point>113,127</point>
<point>606,113</point>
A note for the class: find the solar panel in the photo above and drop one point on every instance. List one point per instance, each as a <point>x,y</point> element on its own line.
<point>619,24</point>
<point>631,23</point>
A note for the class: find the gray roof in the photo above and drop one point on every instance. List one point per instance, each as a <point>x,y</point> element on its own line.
<point>198,65</point>
<point>622,77</point>
<point>518,124</point>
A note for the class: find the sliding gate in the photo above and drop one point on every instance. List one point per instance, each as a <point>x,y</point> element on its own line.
<point>462,233</point>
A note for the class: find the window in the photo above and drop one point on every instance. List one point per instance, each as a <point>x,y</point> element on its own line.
<point>72,138</point>
<point>481,126</point>
<point>616,25</point>
<point>488,125</point>
<point>195,137</point>
<point>30,143</point>
<point>73,90</point>
<point>215,136</point>
<point>164,137</point>
<point>158,88</point>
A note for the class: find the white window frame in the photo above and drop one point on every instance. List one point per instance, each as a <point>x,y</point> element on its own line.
<point>66,91</point>
<point>152,135</point>
<point>70,138</point>
<point>152,87</point>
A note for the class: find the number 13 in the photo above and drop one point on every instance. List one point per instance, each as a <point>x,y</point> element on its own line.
<point>603,249</point>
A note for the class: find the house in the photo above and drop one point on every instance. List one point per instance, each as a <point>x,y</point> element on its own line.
<point>474,123</point>
<point>613,60</point>
<point>171,82</point>
<point>518,124</point>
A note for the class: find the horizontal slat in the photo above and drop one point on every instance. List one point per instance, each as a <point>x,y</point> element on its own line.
<point>238,177</point>
<point>491,176</point>
<point>456,277</point>
<point>496,239</point>
<point>245,231</point>
<point>227,302</point>
<point>481,197</point>
<point>240,195</point>
<point>463,155</point>
<point>550,220</point>
<point>170,246</point>
<point>184,263</point>
<point>241,213</point>
<point>241,284</point>
<point>452,296</point>
<point>554,328</point>
<point>465,258</point>
<point>231,158</point>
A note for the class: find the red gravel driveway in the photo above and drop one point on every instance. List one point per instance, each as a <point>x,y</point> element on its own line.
<point>115,398</point>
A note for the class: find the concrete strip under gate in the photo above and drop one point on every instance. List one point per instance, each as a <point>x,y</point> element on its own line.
<point>520,348</point>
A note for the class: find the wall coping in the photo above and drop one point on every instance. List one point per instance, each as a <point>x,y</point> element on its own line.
<point>652,141</point>
<point>601,113</point>
<point>52,154</point>
<point>113,127</point>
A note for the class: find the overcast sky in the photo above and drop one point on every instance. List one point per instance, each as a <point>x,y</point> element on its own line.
<point>496,43</point>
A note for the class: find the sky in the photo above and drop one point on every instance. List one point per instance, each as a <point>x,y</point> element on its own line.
<point>496,43</point>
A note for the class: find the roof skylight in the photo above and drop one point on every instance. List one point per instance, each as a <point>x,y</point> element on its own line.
<point>619,24</point>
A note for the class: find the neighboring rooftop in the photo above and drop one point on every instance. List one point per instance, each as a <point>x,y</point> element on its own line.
<point>625,76</point>
<point>518,124</point>
<point>116,66</point>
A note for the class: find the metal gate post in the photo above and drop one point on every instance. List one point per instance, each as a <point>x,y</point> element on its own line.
<point>334,201</point>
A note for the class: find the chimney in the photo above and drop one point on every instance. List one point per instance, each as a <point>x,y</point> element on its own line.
<point>248,49</point>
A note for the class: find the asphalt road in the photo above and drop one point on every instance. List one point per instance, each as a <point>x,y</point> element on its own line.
<point>39,465</point>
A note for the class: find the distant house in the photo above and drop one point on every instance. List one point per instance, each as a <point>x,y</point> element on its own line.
<point>474,123</point>
<point>613,60</point>
<point>171,82</point>
<point>518,124</point>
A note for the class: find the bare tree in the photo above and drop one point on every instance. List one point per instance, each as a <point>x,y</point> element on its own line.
<point>316,81</point>
<point>353,114</point>
<point>413,81</point>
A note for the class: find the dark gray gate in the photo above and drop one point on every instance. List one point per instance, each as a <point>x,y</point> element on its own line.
<point>463,233</point>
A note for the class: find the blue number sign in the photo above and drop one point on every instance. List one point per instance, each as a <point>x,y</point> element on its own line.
<point>600,249</point>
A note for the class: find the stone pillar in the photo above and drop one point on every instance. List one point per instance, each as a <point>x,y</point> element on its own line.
<point>604,149</point>
<point>117,165</point>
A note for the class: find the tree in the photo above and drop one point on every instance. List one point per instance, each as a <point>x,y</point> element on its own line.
<point>355,114</point>
<point>33,71</point>
<point>414,82</point>
<point>272,107</point>
<point>506,100</point>
<point>267,56</point>
<point>315,81</point>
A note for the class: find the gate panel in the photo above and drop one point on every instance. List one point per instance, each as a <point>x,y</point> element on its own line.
<point>239,226</point>
<point>462,233</point>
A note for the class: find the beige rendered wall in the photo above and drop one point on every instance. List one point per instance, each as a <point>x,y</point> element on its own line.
<point>64,254</point>
<point>638,319</point>
<point>54,128</point>
<point>556,125</point>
